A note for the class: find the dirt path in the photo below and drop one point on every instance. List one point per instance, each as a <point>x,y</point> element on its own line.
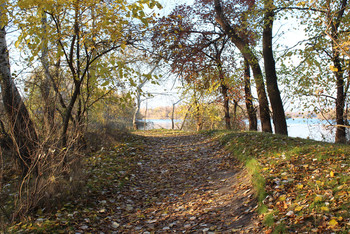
<point>185,183</point>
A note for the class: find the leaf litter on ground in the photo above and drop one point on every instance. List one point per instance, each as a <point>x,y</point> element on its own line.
<point>165,181</point>
<point>306,183</point>
<point>157,181</point>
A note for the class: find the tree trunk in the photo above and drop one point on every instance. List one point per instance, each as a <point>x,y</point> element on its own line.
<point>45,87</point>
<point>224,90</point>
<point>137,110</point>
<point>278,115</point>
<point>248,54</point>
<point>185,118</point>
<point>340,134</point>
<point>76,75</point>
<point>198,117</point>
<point>138,94</point>
<point>253,121</point>
<point>22,127</point>
<point>172,117</point>
<point>235,105</point>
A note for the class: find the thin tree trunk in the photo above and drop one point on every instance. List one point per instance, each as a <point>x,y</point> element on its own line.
<point>248,54</point>
<point>137,110</point>
<point>278,114</point>
<point>76,77</point>
<point>198,116</point>
<point>172,117</point>
<point>235,105</point>
<point>224,87</point>
<point>49,105</point>
<point>138,94</point>
<point>22,127</point>
<point>173,114</point>
<point>253,121</point>
<point>224,90</point>
<point>186,115</point>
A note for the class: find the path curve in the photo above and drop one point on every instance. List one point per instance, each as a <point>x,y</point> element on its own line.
<point>186,183</point>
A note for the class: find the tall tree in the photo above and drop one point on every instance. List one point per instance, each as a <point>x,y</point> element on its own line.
<point>253,122</point>
<point>334,19</point>
<point>243,45</point>
<point>194,45</point>
<point>84,32</point>
<point>324,69</point>
<point>278,114</point>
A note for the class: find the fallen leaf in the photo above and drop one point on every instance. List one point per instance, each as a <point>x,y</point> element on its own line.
<point>333,223</point>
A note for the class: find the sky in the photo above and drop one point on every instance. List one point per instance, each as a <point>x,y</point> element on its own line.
<point>290,37</point>
<point>167,93</point>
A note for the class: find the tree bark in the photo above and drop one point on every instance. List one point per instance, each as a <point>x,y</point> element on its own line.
<point>198,116</point>
<point>22,127</point>
<point>278,114</point>
<point>253,121</point>
<point>78,78</point>
<point>45,87</point>
<point>248,54</point>
<point>340,134</point>
<point>172,117</point>
<point>138,94</point>
<point>137,110</point>
<point>224,86</point>
<point>235,105</point>
<point>224,90</point>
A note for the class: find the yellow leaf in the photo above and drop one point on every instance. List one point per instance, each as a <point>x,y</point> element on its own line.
<point>17,43</point>
<point>282,198</point>
<point>325,208</point>
<point>301,3</point>
<point>333,223</point>
<point>333,68</point>
<point>300,186</point>
<point>318,198</point>
<point>331,174</point>
<point>298,208</point>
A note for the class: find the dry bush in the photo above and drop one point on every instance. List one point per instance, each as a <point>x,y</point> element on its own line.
<point>104,136</point>
<point>55,175</point>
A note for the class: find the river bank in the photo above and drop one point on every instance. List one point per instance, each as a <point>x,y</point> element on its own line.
<point>314,129</point>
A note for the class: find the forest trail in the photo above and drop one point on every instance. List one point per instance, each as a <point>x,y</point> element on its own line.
<point>185,183</point>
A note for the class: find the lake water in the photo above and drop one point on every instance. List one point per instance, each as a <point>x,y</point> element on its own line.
<point>304,128</point>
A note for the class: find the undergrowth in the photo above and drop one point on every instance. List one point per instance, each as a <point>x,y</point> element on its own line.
<point>108,163</point>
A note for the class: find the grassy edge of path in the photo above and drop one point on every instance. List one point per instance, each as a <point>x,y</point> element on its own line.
<point>301,185</point>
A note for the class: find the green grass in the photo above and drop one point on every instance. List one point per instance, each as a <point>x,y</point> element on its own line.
<point>305,183</point>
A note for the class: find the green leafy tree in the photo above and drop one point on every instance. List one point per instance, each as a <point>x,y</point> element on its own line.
<point>80,34</point>
<point>324,68</point>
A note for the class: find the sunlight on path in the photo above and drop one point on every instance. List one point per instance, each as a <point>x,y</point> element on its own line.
<point>186,183</point>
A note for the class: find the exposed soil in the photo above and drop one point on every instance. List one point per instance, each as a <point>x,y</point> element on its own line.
<point>184,183</point>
